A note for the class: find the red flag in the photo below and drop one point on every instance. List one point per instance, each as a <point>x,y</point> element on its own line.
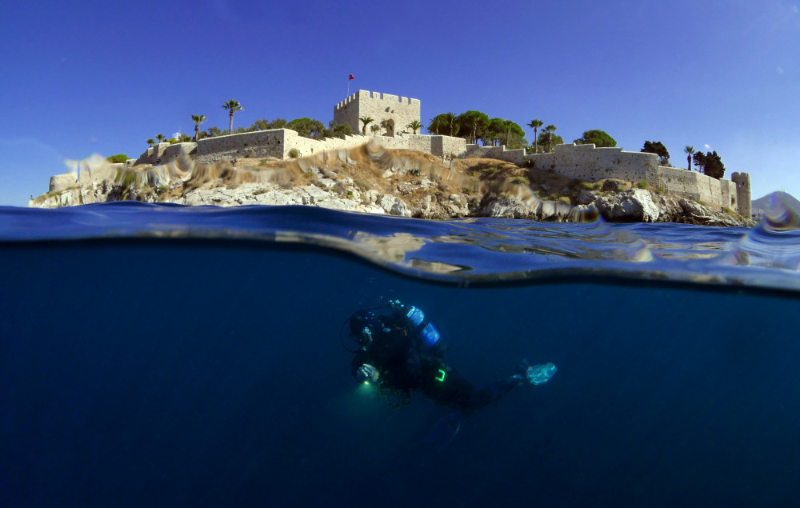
<point>351,77</point>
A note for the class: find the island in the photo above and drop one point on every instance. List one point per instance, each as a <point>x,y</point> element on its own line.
<point>391,170</point>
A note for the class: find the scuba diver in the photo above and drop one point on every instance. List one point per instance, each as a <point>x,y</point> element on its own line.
<point>401,351</point>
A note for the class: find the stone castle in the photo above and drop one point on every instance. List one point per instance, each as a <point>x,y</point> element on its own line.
<point>584,162</point>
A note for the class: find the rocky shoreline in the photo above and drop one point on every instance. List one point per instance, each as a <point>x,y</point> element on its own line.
<point>400,183</point>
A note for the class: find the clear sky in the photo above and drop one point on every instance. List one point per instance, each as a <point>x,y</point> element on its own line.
<point>82,77</point>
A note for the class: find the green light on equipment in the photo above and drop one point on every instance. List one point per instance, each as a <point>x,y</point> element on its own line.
<point>441,373</point>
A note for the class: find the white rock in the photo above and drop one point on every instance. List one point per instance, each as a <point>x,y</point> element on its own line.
<point>394,205</point>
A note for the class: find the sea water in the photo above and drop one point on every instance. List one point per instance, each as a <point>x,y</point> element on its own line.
<point>169,356</point>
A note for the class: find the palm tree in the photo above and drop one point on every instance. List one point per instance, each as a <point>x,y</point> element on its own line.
<point>689,151</point>
<point>232,106</point>
<point>414,126</point>
<point>508,124</point>
<point>550,129</point>
<point>450,120</point>
<point>160,138</point>
<point>151,142</point>
<point>198,119</point>
<point>367,120</point>
<point>535,124</point>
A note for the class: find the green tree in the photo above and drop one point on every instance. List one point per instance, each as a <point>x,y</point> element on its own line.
<point>232,107</point>
<point>160,138</point>
<point>414,126</point>
<point>340,130</point>
<point>197,119</point>
<point>547,137</point>
<point>375,128</point>
<point>266,125</point>
<point>436,123</point>
<point>120,157</point>
<point>658,148</point>
<point>335,130</point>
<point>475,122</point>
<point>598,138</point>
<point>151,142</point>
<point>388,125</point>
<point>494,131</point>
<point>713,166</point>
<point>306,127</point>
<point>700,161</point>
<point>550,130</point>
<point>185,138</point>
<point>445,121</point>
<point>512,127</point>
<point>366,121</point>
<point>214,131</point>
<point>689,151</point>
<point>535,124</point>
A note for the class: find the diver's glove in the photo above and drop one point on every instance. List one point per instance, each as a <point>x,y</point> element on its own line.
<point>536,374</point>
<point>368,374</point>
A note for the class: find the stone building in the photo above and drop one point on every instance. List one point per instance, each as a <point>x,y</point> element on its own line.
<point>379,107</point>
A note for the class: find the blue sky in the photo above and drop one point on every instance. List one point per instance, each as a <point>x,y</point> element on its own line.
<point>83,77</point>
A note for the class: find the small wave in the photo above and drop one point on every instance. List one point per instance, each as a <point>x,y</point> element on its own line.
<point>462,251</point>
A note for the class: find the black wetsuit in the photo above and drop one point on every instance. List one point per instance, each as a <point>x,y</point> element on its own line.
<point>405,363</point>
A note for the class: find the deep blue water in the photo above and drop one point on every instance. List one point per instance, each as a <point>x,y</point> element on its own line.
<point>164,356</point>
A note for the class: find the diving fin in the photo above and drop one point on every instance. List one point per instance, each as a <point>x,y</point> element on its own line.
<point>445,430</point>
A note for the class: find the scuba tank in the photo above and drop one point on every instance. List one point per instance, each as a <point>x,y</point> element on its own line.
<point>427,331</point>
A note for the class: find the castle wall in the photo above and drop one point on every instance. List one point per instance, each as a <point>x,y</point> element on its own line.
<point>379,107</point>
<point>585,162</point>
<point>249,144</point>
<point>695,185</point>
<point>446,146</point>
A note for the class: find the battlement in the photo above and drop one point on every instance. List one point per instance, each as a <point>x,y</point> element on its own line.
<point>376,96</point>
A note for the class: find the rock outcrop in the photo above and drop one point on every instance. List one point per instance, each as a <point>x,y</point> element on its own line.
<point>375,181</point>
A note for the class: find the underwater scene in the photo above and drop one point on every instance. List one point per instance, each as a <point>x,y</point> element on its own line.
<point>156,355</point>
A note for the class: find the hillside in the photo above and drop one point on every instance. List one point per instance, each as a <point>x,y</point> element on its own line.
<point>762,204</point>
<point>373,179</point>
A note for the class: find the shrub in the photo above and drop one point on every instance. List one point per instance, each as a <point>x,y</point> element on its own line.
<point>361,184</point>
<point>565,200</point>
<point>120,157</point>
<point>643,184</point>
<point>294,153</point>
<point>520,180</point>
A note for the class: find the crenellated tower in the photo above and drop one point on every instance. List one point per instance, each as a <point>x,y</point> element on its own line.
<point>743,197</point>
<point>379,107</point>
